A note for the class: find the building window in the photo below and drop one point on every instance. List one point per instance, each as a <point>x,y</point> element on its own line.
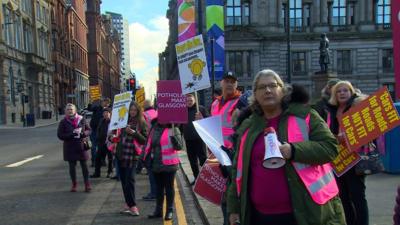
<point>344,61</point>
<point>383,13</point>
<point>12,85</point>
<point>307,15</point>
<point>351,14</point>
<point>387,60</point>
<point>296,18</point>
<point>237,13</point>
<point>339,13</point>
<point>7,26</point>
<point>239,62</point>
<point>390,87</point>
<point>299,62</point>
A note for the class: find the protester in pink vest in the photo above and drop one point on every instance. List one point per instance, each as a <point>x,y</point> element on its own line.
<point>304,190</point>
<point>225,106</point>
<point>161,153</point>
<point>128,150</point>
<point>149,112</point>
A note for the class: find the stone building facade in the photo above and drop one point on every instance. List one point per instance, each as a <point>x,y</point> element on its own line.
<point>255,38</point>
<point>64,82</point>
<point>26,70</point>
<point>103,51</point>
<point>79,52</point>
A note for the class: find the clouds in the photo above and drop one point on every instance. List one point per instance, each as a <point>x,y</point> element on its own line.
<point>147,40</point>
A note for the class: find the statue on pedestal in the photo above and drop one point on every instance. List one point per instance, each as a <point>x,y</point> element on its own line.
<point>324,58</point>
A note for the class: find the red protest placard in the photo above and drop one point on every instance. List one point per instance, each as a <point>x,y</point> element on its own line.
<point>171,104</point>
<point>369,119</point>
<point>345,160</point>
<point>210,183</point>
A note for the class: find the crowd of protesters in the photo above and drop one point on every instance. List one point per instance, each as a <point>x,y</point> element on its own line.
<point>305,191</point>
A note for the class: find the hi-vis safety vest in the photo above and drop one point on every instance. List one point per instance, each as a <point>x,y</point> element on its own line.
<point>149,115</point>
<point>169,155</point>
<point>318,179</point>
<point>226,116</point>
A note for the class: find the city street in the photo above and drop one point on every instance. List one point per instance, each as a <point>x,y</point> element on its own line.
<point>37,192</point>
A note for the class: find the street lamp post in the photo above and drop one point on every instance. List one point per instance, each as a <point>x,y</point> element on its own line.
<point>288,42</point>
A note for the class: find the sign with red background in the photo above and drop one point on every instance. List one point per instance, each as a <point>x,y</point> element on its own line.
<point>171,103</point>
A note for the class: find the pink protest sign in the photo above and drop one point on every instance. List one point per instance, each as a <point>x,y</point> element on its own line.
<point>171,103</point>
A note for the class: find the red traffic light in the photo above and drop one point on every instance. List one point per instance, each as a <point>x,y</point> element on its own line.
<point>132,81</point>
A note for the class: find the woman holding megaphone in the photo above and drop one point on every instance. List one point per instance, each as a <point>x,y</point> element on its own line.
<point>299,191</point>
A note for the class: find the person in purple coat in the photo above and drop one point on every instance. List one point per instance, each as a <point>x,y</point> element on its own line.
<point>72,130</point>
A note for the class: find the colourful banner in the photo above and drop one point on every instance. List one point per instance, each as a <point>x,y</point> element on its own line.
<point>396,44</point>
<point>369,119</point>
<point>171,103</point>
<point>210,184</point>
<point>186,19</point>
<point>215,30</point>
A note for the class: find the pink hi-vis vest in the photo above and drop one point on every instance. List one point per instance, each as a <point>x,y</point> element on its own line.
<point>169,155</point>
<point>226,116</point>
<point>149,115</point>
<point>318,179</point>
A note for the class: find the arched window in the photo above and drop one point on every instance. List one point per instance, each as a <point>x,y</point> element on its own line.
<point>237,13</point>
<point>339,13</point>
<point>383,13</point>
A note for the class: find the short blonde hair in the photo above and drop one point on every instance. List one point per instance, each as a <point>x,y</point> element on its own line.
<point>333,99</point>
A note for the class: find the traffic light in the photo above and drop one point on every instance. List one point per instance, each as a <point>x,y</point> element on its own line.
<point>132,85</point>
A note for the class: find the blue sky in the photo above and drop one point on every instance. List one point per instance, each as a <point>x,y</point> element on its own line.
<point>148,33</point>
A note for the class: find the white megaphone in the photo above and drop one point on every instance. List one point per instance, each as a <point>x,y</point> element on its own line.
<point>273,157</point>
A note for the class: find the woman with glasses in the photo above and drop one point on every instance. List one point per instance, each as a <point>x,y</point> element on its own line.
<point>304,190</point>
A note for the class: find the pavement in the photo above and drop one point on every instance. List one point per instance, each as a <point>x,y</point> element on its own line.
<point>105,201</point>
<point>38,123</point>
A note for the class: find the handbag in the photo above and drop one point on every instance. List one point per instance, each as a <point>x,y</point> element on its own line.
<point>87,144</point>
<point>371,162</point>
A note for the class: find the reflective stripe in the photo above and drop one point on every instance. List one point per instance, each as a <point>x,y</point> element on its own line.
<point>301,166</point>
<point>303,128</point>
<point>225,115</point>
<point>168,157</point>
<point>166,147</point>
<point>321,182</point>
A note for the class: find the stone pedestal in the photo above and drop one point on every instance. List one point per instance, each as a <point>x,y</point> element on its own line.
<point>319,81</point>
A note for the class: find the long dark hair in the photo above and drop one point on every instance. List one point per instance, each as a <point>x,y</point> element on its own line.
<point>139,116</point>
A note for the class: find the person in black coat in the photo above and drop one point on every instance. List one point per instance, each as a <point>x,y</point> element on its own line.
<point>196,149</point>
<point>72,130</point>
<point>102,150</point>
<point>94,122</point>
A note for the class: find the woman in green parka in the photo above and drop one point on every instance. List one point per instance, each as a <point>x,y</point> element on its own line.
<point>303,191</point>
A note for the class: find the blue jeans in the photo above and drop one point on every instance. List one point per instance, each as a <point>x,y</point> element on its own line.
<point>93,139</point>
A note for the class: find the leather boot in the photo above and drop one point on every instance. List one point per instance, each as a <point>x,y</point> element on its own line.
<point>88,187</point>
<point>74,186</point>
<point>156,214</point>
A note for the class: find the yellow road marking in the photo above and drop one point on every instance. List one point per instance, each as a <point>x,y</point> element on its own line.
<point>180,212</point>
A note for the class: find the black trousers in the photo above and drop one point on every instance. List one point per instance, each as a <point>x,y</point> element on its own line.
<point>127,176</point>
<point>72,170</point>
<point>196,151</point>
<point>352,193</point>
<point>101,154</point>
<point>165,184</point>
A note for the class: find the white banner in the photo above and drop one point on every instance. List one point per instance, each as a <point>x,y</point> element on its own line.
<point>120,111</point>
<point>210,131</point>
<point>192,63</point>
